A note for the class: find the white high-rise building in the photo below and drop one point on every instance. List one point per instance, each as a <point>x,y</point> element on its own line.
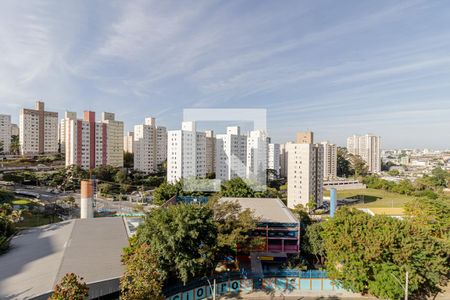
<point>150,146</point>
<point>304,174</point>
<point>274,157</point>
<point>38,130</point>
<point>257,144</point>
<point>231,154</point>
<point>89,144</point>
<point>186,153</point>
<point>5,134</point>
<point>68,115</point>
<point>210,152</point>
<point>329,161</point>
<point>128,141</point>
<point>368,147</point>
<point>161,145</point>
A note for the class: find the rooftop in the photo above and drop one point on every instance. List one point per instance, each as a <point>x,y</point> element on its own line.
<point>40,257</point>
<point>270,210</point>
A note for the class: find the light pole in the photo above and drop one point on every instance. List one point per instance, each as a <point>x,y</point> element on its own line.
<point>405,287</point>
<point>213,288</point>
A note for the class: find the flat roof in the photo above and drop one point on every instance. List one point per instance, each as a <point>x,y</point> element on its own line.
<point>270,210</point>
<point>40,257</point>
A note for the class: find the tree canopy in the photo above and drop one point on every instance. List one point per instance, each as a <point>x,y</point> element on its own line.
<point>143,279</point>
<point>71,287</point>
<point>184,238</point>
<point>7,229</point>
<point>233,226</point>
<point>366,254</point>
<point>433,214</point>
<point>183,241</point>
<point>166,191</point>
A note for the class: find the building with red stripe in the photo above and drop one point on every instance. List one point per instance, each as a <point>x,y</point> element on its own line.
<point>89,143</point>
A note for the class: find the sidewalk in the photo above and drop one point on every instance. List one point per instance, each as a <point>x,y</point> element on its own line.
<point>305,295</point>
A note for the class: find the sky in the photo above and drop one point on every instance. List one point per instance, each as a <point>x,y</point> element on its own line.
<point>334,67</point>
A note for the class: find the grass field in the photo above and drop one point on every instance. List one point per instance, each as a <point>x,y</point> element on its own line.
<point>373,197</point>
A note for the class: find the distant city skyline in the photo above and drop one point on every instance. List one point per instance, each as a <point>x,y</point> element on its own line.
<point>335,68</point>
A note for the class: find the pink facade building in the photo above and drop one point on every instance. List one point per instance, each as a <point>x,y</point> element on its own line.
<point>88,143</point>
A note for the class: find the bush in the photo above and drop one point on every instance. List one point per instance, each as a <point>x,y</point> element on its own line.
<point>6,196</point>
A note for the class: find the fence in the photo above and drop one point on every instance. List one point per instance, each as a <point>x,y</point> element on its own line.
<point>234,282</point>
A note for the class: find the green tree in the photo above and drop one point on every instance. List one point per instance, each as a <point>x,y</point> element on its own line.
<point>7,229</point>
<point>128,160</point>
<point>314,243</point>
<point>302,214</point>
<point>72,176</point>
<point>143,279</point>
<point>166,191</point>
<point>432,214</point>
<point>183,237</point>
<point>104,188</point>
<point>5,195</point>
<point>15,145</point>
<point>394,172</point>
<point>236,187</point>
<point>120,177</point>
<point>153,181</point>
<point>70,287</point>
<point>441,177</point>
<point>405,186</point>
<point>364,253</point>
<point>358,165</point>
<point>105,173</point>
<point>344,168</point>
<point>233,226</point>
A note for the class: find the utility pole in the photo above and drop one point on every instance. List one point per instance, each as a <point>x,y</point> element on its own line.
<point>406,285</point>
<point>214,289</point>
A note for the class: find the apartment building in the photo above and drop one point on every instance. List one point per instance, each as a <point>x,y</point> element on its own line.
<point>5,134</point>
<point>114,134</point>
<point>368,148</point>
<point>186,153</point>
<point>329,160</point>
<point>150,146</point>
<point>304,174</point>
<point>231,154</point>
<point>38,130</point>
<point>161,145</point>
<point>89,143</point>
<point>210,152</point>
<point>305,137</point>
<point>284,160</point>
<point>274,158</point>
<point>128,141</point>
<point>68,115</point>
<point>14,130</point>
<point>257,144</point>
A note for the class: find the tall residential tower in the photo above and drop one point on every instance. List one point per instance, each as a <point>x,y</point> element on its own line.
<point>186,153</point>
<point>38,130</point>
<point>368,147</point>
<point>150,146</point>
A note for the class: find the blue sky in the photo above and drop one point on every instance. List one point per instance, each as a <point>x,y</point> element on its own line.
<point>334,67</point>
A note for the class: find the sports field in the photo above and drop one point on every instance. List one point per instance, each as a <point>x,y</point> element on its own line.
<point>373,198</point>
